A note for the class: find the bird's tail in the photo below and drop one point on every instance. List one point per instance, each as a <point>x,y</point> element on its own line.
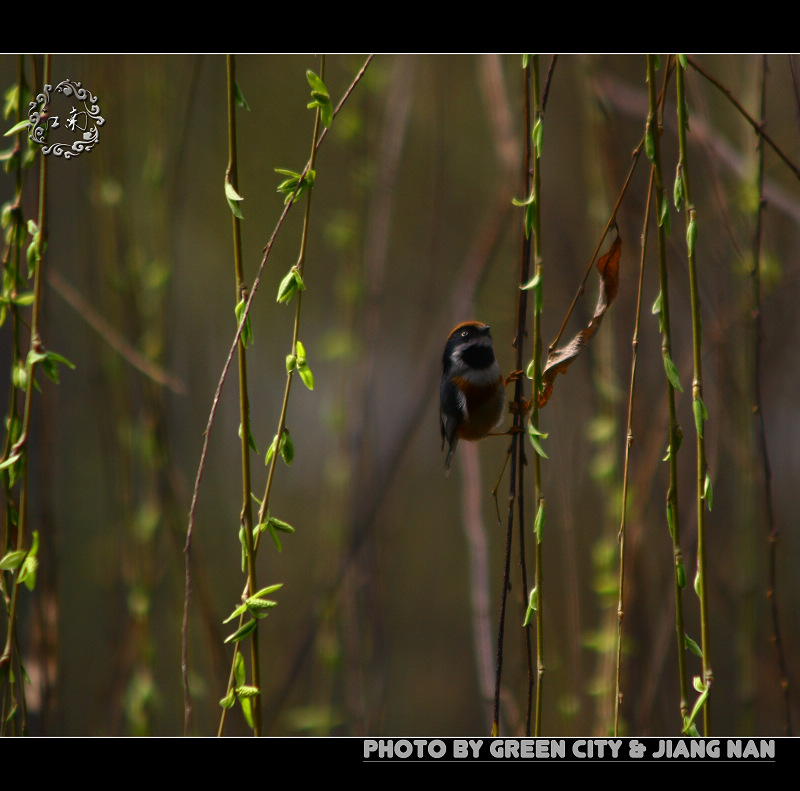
<point>450,453</point>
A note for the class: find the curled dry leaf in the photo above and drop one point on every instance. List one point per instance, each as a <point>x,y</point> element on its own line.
<point>559,359</point>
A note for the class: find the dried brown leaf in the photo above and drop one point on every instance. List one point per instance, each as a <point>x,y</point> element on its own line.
<point>559,359</point>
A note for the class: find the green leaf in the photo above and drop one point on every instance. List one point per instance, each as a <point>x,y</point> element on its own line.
<point>708,491</point>
<point>12,560</point>
<point>690,729</point>
<point>649,143</point>
<point>692,645</point>
<point>533,436</point>
<point>291,363</point>
<point>231,193</point>
<point>239,669</point>
<point>538,525</point>
<point>677,190</point>
<point>241,609</point>
<point>238,97</point>
<point>283,527</point>
<point>538,136</point>
<point>703,690</point>
<point>321,98</point>
<point>24,299</point>
<point>295,183</point>
<point>670,519</point>
<point>287,447</point>
<point>663,218</point>
<point>229,701</point>
<point>233,198</point>
<point>700,414</point>
<point>682,60</point>
<point>533,282</point>
<point>247,330</point>
<point>19,376</point>
<point>10,460</point>
<point>672,373</point>
<point>315,82</point>
<point>527,202</point>
<point>306,376</point>
<point>276,540</point>
<point>250,441</point>
<point>680,573</point>
<point>290,285</point>
<point>247,710</point>
<point>269,589</point>
<point>18,127</point>
<point>656,309</point>
<point>242,632</point>
<point>243,543</point>
<point>691,235</point>
<point>697,582</point>
<point>533,605</point>
<point>271,450</point>
<point>259,608</point>
<point>49,361</point>
<point>27,573</point>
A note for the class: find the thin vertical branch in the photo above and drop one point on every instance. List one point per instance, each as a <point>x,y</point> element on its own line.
<point>519,342</point>
<point>628,443</point>
<point>262,512</point>
<point>758,413</point>
<point>20,448</point>
<point>246,516</point>
<point>700,414</point>
<point>514,450</point>
<point>653,146</point>
<point>537,378</point>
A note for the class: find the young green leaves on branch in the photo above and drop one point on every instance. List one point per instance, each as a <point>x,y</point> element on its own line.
<point>298,361</point>
<point>295,184</point>
<point>49,362</point>
<point>247,330</point>
<point>290,285</point>
<point>284,446</point>
<point>26,562</point>
<point>233,198</point>
<point>320,98</point>
<point>274,526</point>
<point>257,607</point>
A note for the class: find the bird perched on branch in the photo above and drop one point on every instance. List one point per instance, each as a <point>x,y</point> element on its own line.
<point>472,394</point>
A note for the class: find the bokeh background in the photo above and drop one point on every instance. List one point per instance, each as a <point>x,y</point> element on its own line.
<point>387,619</point>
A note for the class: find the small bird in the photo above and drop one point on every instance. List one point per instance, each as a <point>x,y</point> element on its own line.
<point>472,395</point>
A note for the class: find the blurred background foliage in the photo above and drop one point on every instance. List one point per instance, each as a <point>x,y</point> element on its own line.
<point>412,231</point>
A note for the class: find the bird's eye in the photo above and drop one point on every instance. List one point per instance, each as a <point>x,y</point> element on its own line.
<point>464,333</point>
